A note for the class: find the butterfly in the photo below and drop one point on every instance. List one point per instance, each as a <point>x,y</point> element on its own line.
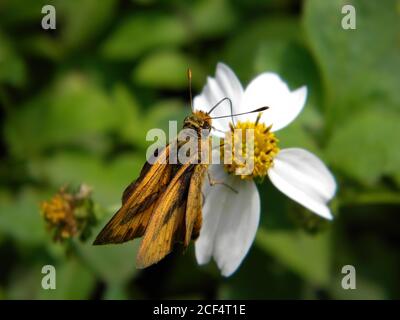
<point>164,204</point>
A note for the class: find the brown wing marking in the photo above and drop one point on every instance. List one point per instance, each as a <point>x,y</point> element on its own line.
<point>194,204</point>
<point>167,224</point>
<point>138,202</point>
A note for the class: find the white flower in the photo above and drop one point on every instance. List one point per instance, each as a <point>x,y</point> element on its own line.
<point>230,220</point>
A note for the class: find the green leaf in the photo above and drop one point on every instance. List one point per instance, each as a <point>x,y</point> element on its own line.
<point>365,290</point>
<point>307,255</point>
<point>143,32</point>
<point>74,281</point>
<point>159,116</point>
<point>167,70</point>
<point>366,148</point>
<point>44,46</point>
<point>25,283</point>
<point>74,112</point>
<point>129,116</point>
<point>20,217</point>
<point>361,237</point>
<point>211,18</point>
<point>15,12</point>
<point>361,67</point>
<point>116,292</point>
<point>79,26</point>
<point>12,66</point>
<point>108,180</point>
<point>292,62</point>
<point>114,264</point>
<point>261,277</point>
<point>164,111</point>
<point>253,41</point>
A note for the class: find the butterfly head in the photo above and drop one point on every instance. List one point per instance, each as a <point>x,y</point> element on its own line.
<point>198,120</point>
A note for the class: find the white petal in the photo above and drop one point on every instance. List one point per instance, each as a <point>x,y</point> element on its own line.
<point>211,212</point>
<point>225,84</point>
<point>230,84</point>
<point>268,89</point>
<point>237,226</point>
<point>304,178</point>
<point>230,221</point>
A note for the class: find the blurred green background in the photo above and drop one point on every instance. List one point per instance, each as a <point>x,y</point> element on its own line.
<point>76,103</point>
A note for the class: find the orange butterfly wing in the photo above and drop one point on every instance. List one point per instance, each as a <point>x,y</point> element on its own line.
<point>193,217</point>
<point>138,202</point>
<point>167,225</point>
<point>163,205</point>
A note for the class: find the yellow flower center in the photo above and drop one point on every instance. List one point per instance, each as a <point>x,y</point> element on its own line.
<point>249,149</point>
<point>58,213</point>
<point>57,209</point>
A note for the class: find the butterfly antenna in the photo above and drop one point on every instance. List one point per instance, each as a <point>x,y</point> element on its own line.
<point>239,114</point>
<point>218,103</point>
<point>189,74</point>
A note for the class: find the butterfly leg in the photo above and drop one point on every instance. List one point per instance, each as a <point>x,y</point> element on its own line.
<point>203,198</point>
<point>216,182</point>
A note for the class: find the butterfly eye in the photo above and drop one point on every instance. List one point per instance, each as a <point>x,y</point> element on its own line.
<point>206,125</point>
